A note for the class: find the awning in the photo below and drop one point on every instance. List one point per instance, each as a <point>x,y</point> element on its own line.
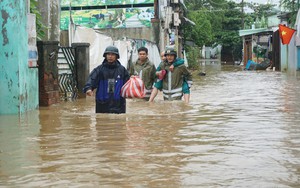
<point>189,21</point>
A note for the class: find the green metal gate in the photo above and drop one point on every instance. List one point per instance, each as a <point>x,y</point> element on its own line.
<point>67,73</point>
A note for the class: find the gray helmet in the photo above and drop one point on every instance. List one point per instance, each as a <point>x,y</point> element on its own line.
<point>111,49</point>
<point>170,51</point>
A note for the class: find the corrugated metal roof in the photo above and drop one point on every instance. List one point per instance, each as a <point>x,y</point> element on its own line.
<point>246,32</point>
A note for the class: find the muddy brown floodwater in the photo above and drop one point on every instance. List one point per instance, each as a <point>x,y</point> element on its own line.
<point>241,129</point>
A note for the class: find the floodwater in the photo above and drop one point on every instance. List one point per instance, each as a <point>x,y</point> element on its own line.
<point>241,129</point>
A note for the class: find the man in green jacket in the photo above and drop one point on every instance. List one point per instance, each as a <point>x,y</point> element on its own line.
<point>176,73</point>
<point>145,69</point>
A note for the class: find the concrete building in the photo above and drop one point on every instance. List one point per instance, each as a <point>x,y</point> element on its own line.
<point>18,77</point>
<point>261,42</point>
<point>285,57</point>
<point>290,54</point>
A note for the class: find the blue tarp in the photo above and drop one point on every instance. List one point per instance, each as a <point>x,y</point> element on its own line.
<point>251,65</point>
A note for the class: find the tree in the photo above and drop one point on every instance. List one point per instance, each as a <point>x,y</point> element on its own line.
<point>201,33</point>
<point>292,6</point>
<point>217,22</point>
<point>39,24</point>
<point>228,37</point>
<point>261,9</point>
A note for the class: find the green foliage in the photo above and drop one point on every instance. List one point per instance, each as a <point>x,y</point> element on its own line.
<point>40,27</point>
<point>229,38</point>
<point>292,6</point>
<point>193,56</point>
<point>217,22</point>
<point>201,33</point>
<point>231,23</point>
<point>260,14</point>
<point>261,9</point>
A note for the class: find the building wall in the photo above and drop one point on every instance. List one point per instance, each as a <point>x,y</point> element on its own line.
<point>284,57</point>
<point>273,21</point>
<point>247,49</point>
<point>151,34</point>
<point>298,58</point>
<point>292,56</point>
<point>18,82</point>
<point>135,33</point>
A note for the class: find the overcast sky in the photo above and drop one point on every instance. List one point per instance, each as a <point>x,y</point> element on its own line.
<point>247,10</point>
<point>263,1</point>
<point>260,1</point>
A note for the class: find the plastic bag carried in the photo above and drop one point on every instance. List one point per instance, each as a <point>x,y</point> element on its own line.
<point>133,88</point>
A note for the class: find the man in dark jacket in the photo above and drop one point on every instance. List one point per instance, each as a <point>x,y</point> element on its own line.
<point>108,78</point>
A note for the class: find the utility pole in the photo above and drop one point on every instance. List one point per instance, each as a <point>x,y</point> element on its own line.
<point>175,25</point>
<point>242,10</point>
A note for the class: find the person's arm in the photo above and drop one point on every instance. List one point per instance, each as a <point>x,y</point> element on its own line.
<point>92,82</point>
<point>187,76</point>
<point>177,63</point>
<point>159,68</point>
<point>126,75</point>
<point>153,94</point>
<point>153,74</point>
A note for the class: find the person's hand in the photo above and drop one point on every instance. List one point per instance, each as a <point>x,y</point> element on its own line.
<point>158,73</point>
<point>89,93</point>
<point>162,74</point>
<point>171,68</point>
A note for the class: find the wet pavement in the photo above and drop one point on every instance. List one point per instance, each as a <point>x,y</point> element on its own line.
<point>241,129</point>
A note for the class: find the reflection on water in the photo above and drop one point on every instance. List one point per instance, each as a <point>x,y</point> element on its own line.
<point>241,129</point>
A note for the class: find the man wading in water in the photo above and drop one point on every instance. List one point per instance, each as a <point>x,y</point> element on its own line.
<point>108,78</point>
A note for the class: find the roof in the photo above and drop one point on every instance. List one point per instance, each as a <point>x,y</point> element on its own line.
<point>246,32</point>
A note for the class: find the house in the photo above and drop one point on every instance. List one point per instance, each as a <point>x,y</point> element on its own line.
<point>265,43</point>
<point>257,44</point>
<point>290,53</point>
<point>262,43</point>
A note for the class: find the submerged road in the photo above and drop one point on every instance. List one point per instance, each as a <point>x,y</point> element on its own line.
<point>241,129</point>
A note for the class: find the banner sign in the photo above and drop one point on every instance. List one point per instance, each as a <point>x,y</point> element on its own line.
<point>67,3</point>
<point>109,18</point>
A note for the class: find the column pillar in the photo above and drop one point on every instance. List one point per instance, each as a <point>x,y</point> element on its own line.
<point>82,65</point>
<point>48,73</point>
